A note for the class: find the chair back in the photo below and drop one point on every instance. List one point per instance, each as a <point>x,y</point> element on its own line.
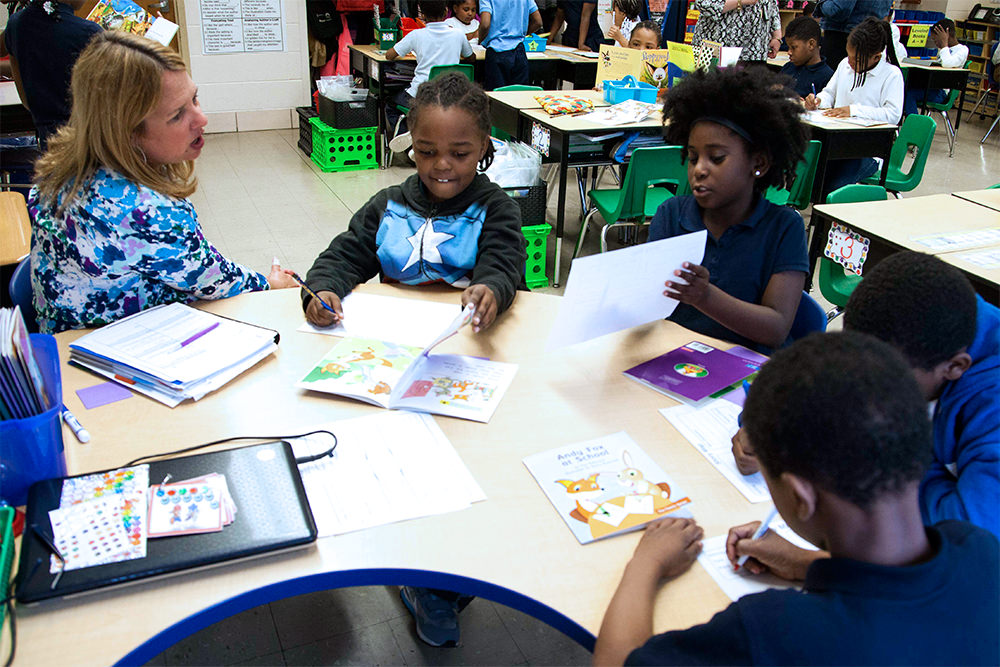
<point>516,87</point>
<point>809,317</point>
<point>850,194</point>
<point>805,175</point>
<point>461,68</point>
<point>20,293</point>
<point>917,130</point>
<point>655,164</point>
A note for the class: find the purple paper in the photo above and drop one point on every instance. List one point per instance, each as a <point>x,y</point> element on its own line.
<point>693,371</point>
<point>102,394</point>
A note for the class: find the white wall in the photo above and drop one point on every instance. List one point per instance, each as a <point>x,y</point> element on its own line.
<point>250,91</point>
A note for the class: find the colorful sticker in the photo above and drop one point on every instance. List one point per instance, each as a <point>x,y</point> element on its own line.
<point>541,138</point>
<point>847,248</point>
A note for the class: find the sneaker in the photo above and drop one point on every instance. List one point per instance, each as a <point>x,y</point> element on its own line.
<point>435,618</point>
<point>401,142</point>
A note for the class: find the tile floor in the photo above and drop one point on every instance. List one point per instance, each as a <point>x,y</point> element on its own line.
<point>259,197</point>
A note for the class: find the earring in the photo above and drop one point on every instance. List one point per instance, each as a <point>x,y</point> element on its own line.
<point>142,153</point>
<point>756,172</point>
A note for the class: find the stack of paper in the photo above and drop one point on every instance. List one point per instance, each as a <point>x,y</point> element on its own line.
<point>22,393</point>
<point>173,352</point>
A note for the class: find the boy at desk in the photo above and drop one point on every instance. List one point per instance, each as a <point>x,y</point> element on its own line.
<point>807,69</point>
<point>842,434</point>
<point>950,53</point>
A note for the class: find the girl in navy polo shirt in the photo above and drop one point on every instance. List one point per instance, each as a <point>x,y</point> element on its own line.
<point>741,134</point>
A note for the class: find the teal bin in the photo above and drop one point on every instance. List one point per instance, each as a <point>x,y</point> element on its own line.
<point>32,449</point>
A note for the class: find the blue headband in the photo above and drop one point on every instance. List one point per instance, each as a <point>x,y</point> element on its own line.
<point>725,122</point>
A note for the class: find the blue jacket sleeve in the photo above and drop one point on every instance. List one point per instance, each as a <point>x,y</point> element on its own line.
<point>835,10</point>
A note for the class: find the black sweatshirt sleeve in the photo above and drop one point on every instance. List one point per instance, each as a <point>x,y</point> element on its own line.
<point>500,263</point>
<point>351,257</point>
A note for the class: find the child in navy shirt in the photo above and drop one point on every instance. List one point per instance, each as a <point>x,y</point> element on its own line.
<point>928,310</point>
<point>805,66</point>
<point>741,134</point>
<point>890,591</point>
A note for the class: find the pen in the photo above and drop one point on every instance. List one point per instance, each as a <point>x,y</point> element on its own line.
<point>185,343</point>
<point>757,535</point>
<point>814,88</point>
<point>311,293</point>
<point>78,430</point>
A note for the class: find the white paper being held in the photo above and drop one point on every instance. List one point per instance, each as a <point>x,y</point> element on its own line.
<point>621,289</point>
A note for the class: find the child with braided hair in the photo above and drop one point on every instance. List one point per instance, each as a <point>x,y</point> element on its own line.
<point>445,224</point>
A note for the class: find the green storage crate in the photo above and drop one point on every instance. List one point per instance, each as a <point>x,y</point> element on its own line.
<point>343,150</point>
<point>387,33</point>
<point>537,237</point>
<point>6,555</point>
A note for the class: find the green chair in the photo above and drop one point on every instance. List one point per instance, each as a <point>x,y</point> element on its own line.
<point>497,132</point>
<point>994,187</point>
<point>639,196</point>
<point>835,284</point>
<point>799,194</point>
<point>944,108</point>
<point>435,72</point>
<point>917,131</point>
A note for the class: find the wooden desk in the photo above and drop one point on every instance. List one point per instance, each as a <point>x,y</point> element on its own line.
<point>15,228</point>
<point>895,224</point>
<point>987,198</point>
<point>513,548</point>
<point>929,76</point>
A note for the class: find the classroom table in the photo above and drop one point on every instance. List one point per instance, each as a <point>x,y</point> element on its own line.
<point>842,141</point>
<point>15,228</point>
<point>512,548</point>
<point>898,224</point>
<point>928,77</point>
<point>987,198</point>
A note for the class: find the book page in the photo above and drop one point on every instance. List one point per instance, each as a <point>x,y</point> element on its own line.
<point>710,430</point>
<point>387,467</point>
<point>360,368</point>
<point>594,305</point>
<point>455,386</point>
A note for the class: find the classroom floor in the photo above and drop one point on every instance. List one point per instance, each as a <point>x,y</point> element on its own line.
<point>259,197</point>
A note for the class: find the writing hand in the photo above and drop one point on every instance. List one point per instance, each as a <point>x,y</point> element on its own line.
<point>485,301</point>
<point>810,102</point>
<point>771,553</point>
<point>319,315</point>
<point>697,288</point>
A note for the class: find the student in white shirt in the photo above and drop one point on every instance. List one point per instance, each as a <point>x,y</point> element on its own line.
<point>436,44</point>
<point>864,85</point>
<point>897,43</point>
<point>951,53</point>
<point>463,18</point>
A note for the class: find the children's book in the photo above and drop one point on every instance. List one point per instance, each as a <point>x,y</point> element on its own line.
<point>606,486</point>
<point>693,372</point>
<point>617,62</point>
<point>407,378</point>
<point>127,16</point>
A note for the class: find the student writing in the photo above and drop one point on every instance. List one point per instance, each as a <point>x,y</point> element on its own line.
<point>892,591</point>
<point>445,224</point>
<point>741,134</point>
<point>805,66</point>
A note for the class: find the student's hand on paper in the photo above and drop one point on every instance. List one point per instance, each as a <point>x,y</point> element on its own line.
<point>838,112</point>
<point>486,305</point>
<point>319,315</point>
<point>771,553</point>
<point>810,103</point>
<point>279,279</point>
<point>668,546</point>
<point>583,47</point>
<point>743,453</point>
<point>773,47</point>
<point>697,286</point>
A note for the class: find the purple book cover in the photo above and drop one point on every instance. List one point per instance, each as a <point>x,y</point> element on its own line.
<point>693,371</point>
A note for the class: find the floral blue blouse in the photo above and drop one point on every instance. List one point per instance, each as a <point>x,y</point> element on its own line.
<point>121,248</point>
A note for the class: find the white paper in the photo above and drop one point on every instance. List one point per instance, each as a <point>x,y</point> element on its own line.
<point>627,112</point>
<point>162,31</point>
<point>730,55</point>
<point>984,259</point>
<point>736,584</point>
<point>948,241</point>
<point>621,289</point>
<point>710,429</point>
<point>404,321</point>
<point>387,467</point>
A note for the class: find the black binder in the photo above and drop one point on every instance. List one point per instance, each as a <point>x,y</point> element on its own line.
<point>272,514</point>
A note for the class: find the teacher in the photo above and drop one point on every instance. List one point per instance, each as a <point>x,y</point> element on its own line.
<point>753,25</point>
<point>838,18</point>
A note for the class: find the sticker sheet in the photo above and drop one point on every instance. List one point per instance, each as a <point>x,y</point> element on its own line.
<point>199,505</point>
<point>90,533</point>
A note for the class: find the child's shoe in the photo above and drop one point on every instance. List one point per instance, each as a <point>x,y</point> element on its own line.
<point>401,142</point>
<point>435,618</point>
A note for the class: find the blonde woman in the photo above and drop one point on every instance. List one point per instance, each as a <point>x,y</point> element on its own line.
<point>113,232</point>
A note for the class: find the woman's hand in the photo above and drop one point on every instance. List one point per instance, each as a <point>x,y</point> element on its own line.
<point>320,316</point>
<point>278,278</point>
<point>838,112</point>
<point>485,301</point>
<point>697,286</point>
<point>773,47</point>
<point>810,102</point>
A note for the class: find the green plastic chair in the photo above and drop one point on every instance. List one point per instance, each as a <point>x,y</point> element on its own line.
<point>638,198</point>
<point>435,72</point>
<point>799,194</point>
<point>944,108</point>
<point>835,284</point>
<point>994,187</point>
<point>916,131</point>
<point>497,132</point>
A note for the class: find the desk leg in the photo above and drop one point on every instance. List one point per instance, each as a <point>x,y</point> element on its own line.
<point>560,212</point>
<point>818,194</point>
<point>961,104</point>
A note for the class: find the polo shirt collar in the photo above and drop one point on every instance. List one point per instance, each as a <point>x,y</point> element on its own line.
<point>818,66</point>
<point>858,578</point>
<point>694,222</point>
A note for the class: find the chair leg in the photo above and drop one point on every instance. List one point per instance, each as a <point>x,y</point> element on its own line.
<point>978,102</point>
<point>951,133</point>
<point>833,314</point>
<point>604,233</point>
<point>583,231</point>
<point>990,131</point>
<point>395,133</point>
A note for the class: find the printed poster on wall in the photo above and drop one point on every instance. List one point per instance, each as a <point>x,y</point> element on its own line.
<point>242,26</point>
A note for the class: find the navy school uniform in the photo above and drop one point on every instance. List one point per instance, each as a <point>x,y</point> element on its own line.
<point>741,262</point>
<point>941,612</point>
<point>809,79</point>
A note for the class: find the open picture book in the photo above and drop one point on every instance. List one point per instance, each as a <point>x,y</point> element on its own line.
<point>404,377</point>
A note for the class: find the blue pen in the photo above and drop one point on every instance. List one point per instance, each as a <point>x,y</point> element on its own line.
<point>313,294</point>
<point>814,88</point>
